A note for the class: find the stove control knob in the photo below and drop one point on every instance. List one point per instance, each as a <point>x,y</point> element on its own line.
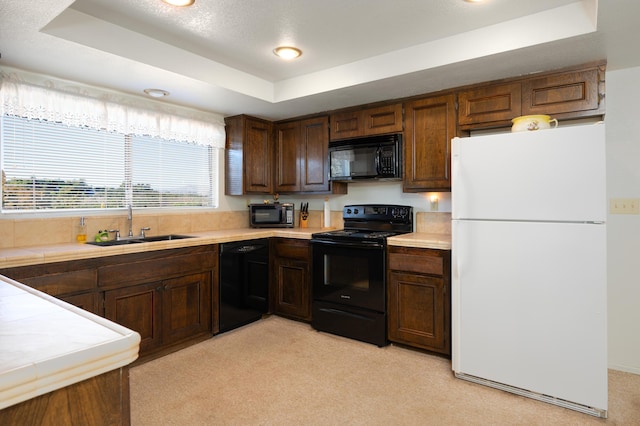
<point>355,211</point>
<point>348,211</point>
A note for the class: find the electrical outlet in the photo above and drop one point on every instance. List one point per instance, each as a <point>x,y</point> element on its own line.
<point>624,206</point>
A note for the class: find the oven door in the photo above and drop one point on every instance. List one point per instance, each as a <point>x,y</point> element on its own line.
<point>350,274</point>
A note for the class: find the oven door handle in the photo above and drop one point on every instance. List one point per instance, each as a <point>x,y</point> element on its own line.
<point>372,245</point>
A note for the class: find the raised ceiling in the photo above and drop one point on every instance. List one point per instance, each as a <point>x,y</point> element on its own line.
<point>217,55</point>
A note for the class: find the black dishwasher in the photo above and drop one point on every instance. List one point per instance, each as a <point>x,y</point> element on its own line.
<point>244,282</point>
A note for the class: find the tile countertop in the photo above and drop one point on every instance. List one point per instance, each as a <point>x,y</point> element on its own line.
<point>47,344</point>
<point>422,240</point>
<point>25,256</point>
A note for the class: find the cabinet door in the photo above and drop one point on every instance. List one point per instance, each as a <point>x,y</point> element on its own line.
<point>138,308</point>
<point>576,92</point>
<point>385,119</point>
<point>186,306</point>
<point>430,126</point>
<point>257,157</point>
<point>288,157</point>
<point>416,311</point>
<point>293,295</point>
<point>314,150</point>
<point>368,122</point>
<point>346,125</point>
<point>87,301</point>
<point>497,103</point>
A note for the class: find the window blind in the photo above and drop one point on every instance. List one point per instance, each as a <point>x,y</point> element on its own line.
<point>52,166</point>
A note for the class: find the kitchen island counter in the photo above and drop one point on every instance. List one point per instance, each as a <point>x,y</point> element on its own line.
<point>47,344</point>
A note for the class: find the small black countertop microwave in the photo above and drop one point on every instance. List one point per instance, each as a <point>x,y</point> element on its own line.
<point>276,215</point>
<point>376,157</point>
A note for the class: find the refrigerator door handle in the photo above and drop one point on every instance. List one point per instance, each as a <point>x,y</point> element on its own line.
<point>455,177</point>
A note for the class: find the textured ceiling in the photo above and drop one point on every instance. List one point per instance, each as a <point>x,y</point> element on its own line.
<point>217,55</point>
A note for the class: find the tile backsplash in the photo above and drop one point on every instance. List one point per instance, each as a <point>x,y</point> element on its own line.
<point>35,232</point>
<point>433,223</point>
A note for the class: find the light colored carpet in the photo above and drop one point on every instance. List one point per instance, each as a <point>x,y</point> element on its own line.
<point>281,372</point>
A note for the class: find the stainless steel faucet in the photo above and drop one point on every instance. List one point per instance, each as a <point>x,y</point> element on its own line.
<point>130,219</point>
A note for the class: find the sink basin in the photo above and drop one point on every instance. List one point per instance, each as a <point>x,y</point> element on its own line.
<point>164,238</point>
<point>114,242</point>
<point>139,240</point>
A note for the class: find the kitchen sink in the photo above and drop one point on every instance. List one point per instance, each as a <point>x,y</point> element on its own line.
<point>109,243</point>
<point>114,242</point>
<point>164,238</point>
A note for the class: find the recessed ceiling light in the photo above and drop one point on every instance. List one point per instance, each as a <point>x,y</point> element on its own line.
<point>180,3</point>
<point>156,93</point>
<point>286,52</point>
<point>474,1</point>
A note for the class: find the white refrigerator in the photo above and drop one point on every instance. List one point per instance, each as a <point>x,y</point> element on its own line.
<point>529,264</point>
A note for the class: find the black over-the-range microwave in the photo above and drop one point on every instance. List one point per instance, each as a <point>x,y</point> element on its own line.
<point>375,157</point>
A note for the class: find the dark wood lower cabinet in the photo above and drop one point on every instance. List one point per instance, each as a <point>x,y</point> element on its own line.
<point>137,308</point>
<point>166,295</point>
<point>291,278</point>
<point>163,312</point>
<point>186,307</point>
<point>419,298</point>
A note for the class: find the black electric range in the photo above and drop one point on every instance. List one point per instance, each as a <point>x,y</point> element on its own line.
<point>349,271</point>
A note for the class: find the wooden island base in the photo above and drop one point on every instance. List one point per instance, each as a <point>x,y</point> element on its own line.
<point>100,400</point>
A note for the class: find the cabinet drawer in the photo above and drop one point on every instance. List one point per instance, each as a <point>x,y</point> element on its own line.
<point>88,301</point>
<point>291,249</point>
<point>64,283</point>
<point>154,269</point>
<point>421,261</point>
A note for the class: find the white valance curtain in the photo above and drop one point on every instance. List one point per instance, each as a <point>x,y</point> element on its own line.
<point>46,102</point>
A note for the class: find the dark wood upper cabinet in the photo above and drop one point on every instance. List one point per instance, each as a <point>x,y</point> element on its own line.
<point>567,94</point>
<point>430,126</point>
<point>314,155</point>
<point>302,157</point>
<point>288,156</point>
<point>490,104</point>
<point>248,156</point>
<point>577,92</point>
<point>366,122</point>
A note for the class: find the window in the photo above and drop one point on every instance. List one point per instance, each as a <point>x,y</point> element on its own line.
<point>50,166</point>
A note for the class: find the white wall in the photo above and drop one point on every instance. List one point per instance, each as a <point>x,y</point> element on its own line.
<point>623,246</point>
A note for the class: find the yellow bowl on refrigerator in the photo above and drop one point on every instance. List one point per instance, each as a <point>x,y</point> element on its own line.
<point>532,122</point>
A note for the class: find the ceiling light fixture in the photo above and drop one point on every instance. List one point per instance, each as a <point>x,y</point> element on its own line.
<point>286,52</point>
<point>474,1</point>
<point>156,93</point>
<point>180,3</point>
